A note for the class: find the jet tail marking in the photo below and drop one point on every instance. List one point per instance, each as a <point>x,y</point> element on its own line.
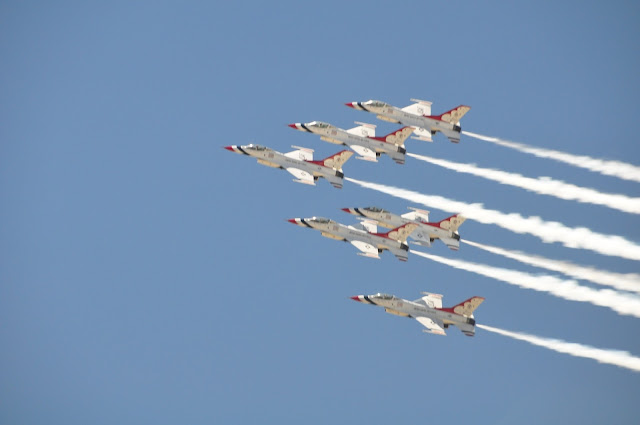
<point>452,223</point>
<point>454,115</point>
<point>467,307</point>
<point>397,137</point>
<point>336,161</point>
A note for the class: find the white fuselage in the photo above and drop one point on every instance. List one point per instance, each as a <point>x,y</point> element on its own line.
<point>394,114</point>
<point>363,143</point>
<point>422,235</point>
<point>339,136</point>
<point>271,158</point>
<point>408,118</point>
<point>335,230</point>
<point>413,309</point>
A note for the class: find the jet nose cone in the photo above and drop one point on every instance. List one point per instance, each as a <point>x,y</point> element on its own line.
<point>345,210</point>
<point>229,148</point>
<point>356,298</point>
<point>294,126</point>
<point>350,104</point>
<point>292,221</point>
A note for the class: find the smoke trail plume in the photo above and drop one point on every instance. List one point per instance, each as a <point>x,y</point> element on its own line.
<point>543,185</point>
<point>621,303</point>
<point>620,281</point>
<point>618,169</point>
<point>615,357</point>
<point>547,231</point>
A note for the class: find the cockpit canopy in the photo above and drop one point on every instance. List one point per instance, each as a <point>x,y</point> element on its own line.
<point>256,147</point>
<point>376,104</point>
<point>319,124</point>
<point>384,296</point>
<point>376,209</point>
<point>321,220</point>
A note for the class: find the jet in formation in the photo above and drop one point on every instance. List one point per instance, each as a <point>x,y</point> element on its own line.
<point>445,230</point>
<point>363,237</point>
<point>428,311</point>
<point>361,139</point>
<point>300,163</point>
<point>418,115</point>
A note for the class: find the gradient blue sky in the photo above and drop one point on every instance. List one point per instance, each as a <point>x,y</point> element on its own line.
<point>149,276</point>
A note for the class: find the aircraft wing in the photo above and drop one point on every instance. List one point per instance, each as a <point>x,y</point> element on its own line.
<point>302,154</point>
<point>416,215</point>
<point>301,175</point>
<point>364,152</point>
<point>433,327</point>
<point>364,130</point>
<point>431,300</point>
<point>367,249</point>
<point>421,107</point>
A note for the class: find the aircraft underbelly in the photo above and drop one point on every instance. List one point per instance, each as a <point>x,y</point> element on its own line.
<point>268,163</point>
<point>332,236</point>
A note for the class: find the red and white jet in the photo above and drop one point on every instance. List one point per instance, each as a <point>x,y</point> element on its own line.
<point>428,311</point>
<point>446,230</point>
<point>361,139</point>
<point>300,163</point>
<point>364,237</point>
<point>418,115</point>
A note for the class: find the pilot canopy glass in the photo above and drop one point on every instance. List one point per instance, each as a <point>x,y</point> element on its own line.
<point>376,209</point>
<point>320,124</point>
<point>377,104</point>
<point>257,147</point>
<point>384,296</point>
<point>321,220</point>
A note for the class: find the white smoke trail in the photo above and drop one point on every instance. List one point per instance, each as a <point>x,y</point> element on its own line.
<point>618,169</point>
<point>620,281</point>
<point>547,231</point>
<point>543,185</point>
<point>622,303</point>
<point>615,357</point>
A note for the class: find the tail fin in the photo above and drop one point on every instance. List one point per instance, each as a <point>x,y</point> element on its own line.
<point>455,115</point>
<point>467,307</point>
<point>397,137</point>
<point>452,223</point>
<point>336,161</point>
<point>401,233</point>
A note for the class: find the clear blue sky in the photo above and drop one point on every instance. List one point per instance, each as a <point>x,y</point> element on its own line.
<point>149,276</point>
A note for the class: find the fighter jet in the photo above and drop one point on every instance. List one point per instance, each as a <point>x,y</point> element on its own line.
<point>364,237</point>
<point>300,163</point>
<point>428,311</point>
<point>446,230</point>
<point>361,139</point>
<point>418,115</point>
